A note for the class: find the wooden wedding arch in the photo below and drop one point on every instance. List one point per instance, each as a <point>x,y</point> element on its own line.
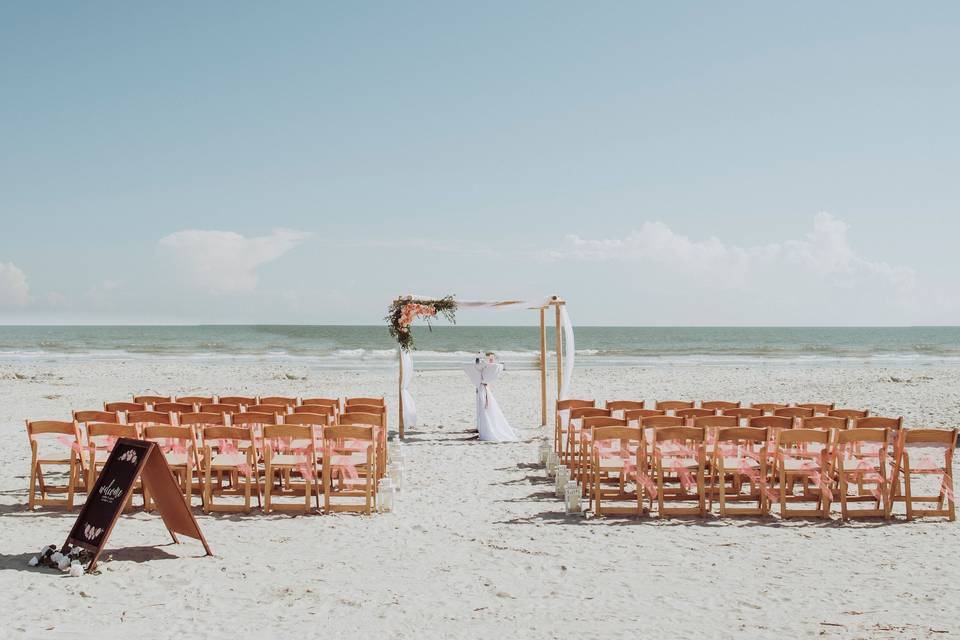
<point>542,306</point>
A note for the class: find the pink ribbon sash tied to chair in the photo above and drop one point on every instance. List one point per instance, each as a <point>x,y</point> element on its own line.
<point>68,442</point>
<point>802,460</point>
<point>927,464</point>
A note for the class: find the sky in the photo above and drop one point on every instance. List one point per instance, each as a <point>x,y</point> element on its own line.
<point>736,163</point>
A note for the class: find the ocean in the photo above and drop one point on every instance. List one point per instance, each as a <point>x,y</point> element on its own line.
<point>367,347</point>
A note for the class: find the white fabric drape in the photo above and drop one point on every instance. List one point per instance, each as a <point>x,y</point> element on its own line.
<point>491,423</point>
<point>406,375</point>
<point>569,352</point>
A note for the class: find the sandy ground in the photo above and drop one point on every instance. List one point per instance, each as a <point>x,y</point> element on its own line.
<point>478,545</point>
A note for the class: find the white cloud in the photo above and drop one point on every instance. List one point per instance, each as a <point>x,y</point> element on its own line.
<point>14,291</point>
<point>826,252</point>
<point>225,262</point>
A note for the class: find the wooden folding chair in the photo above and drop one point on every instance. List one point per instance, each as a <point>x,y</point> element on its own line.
<point>680,451</point>
<point>379,424</point>
<point>773,425</point>
<point>241,401</point>
<point>67,434</point>
<point>289,449</point>
<point>179,446</point>
<point>673,405</point>
<point>371,409</point>
<point>580,462</point>
<point>142,419</point>
<point>794,412</point>
<point>827,423</point>
<point>690,414</point>
<point>327,411</point>
<point>742,413</point>
<point>277,409</point>
<point>230,452</point>
<point>101,438</point>
<point>349,468</point>
<point>348,403</point>
<point>634,416</point>
<point>819,408</point>
<point>917,453</point>
<point>741,453</point>
<point>198,422</point>
<point>151,400</point>
<point>574,426</point>
<point>286,401</point>
<point>123,407</point>
<point>619,407</point>
<point>93,415</point>
<point>767,407</point>
<point>795,460</point>
<point>219,407</point>
<point>717,405</point>
<point>196,400</point>
<point>333,404</point>
<point>562,419</point>
<point>711,425</point>
<point>174,407</point>
<point>860,457</point>
<point>850,415</point>
<point>616,459</point>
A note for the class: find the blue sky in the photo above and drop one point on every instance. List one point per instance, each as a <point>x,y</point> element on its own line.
<point>714,163</point>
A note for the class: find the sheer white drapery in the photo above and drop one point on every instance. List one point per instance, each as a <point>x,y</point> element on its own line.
<point>406,375</point>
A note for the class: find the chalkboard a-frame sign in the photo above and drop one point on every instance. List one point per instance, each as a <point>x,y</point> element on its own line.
<point>129,460</point>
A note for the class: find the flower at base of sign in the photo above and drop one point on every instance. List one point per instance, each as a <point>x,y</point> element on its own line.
<point>129,456</point>
<point>91,533</point>
<point>71,561</point>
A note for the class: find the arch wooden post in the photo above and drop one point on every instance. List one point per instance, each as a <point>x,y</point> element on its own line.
<point>543,367</point>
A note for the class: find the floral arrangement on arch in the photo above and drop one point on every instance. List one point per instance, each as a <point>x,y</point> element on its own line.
<point>404,311</point>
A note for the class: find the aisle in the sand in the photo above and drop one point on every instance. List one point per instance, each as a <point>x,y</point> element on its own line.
<point>491,423</point>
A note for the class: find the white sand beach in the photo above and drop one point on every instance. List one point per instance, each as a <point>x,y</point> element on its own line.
<point>478,546</point>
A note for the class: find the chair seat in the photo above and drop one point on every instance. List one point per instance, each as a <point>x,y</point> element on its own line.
<point>791,464</point>
<point>288,459</point>
<point>688,463</point>
<point>736,463</point>
<point>177,459</point>
<point>228,459</point>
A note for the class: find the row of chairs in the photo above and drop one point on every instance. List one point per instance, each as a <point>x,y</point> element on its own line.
<point>219,454</point>
<point>706,457</point>
<point>230,405</point>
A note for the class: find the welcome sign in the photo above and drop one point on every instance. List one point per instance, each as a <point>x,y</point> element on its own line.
<point>129,460</point>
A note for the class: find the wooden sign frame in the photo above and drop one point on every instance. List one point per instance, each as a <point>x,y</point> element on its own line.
<point>131,459</point>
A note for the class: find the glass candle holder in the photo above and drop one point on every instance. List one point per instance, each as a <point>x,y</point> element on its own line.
<point>395,471</point>
<point>385,495</point>
<point>552,462</point>
<point>572,497</point>
<point>561,480</point>
<point>543,451</point>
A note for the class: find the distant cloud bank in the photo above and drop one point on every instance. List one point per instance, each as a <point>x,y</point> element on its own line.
<point>14,291</point>
<point>225,262</point>
<point>826,251</point>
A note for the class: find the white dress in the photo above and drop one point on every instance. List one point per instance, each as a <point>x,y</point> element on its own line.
<point>491,423</point>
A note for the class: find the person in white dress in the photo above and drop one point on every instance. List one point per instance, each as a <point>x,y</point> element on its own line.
<point>491,423</point>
